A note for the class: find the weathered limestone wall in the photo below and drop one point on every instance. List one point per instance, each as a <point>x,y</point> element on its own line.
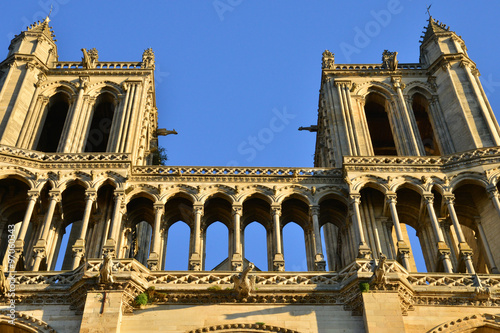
<point>60,317</point>
<point>183,318</point>
<point>425,318</point>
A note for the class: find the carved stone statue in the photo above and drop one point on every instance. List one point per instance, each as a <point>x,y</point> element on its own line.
<point>106,270</point>
<point>389,60</point>
<point>380,274</point>
<point>90,58</point>
<point>148,59</point>
<point>244,284</point>
<point>328,60</point>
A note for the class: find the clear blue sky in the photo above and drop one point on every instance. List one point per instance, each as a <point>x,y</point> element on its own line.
<point>225,67</point>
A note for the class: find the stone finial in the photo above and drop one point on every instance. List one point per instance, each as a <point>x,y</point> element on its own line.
<point>148,58</point>
<point>90,58</point>
<point>389,60</point>
<point>328,60</point>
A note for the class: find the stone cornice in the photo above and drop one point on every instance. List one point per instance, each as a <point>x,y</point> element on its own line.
<point>208,287</point>
<point>471,158</point>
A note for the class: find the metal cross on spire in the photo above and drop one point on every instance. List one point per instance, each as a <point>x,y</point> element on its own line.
<point>428,12</point>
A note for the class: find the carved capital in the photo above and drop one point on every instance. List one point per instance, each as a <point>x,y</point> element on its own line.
<point>276,210</point>
<point>428,198</point>
<point>55,195</point>
<point>198,209</point>
<point>118,196</point>
<point>84,82</point>
<point>237,210</point>
<point>391,198</point>
<point>33,195</point>
<point>314,210</point>
<point>159,208</point>
<point>449,199</point>
<point>90,195</point>
<point>355,198</point>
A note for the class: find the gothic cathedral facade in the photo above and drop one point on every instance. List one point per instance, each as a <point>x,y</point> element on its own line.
<point>79,152</point>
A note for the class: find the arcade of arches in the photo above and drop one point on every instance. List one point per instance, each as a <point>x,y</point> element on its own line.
<point>74,219</point>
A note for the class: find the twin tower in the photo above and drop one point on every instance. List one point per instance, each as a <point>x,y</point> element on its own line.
<point>407,166</point>
<point>79,142</point>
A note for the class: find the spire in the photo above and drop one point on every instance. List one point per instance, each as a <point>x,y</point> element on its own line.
<point>43,27</point>
<point>434,28</point>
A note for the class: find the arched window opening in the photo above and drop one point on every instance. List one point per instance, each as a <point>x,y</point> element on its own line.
<point>416,249</point>
<point>415,227</point>
<point>420,108</point>
<point>141,241</point>
<point>137,229</point>
<point>100,221</point>
<point>258,235</point>
<point>379,125</point>
<point>52,128</point>
<point>100,127</point>
<point>218,233</point>
<point>256,245</point>
<point>475,211</point>
<point>62,256</point>
<point>332,218</point>
<point>13,204</point>
<point>294,248</point>
<point>177,251</point>
<point>297,234</point>
<point>216,246</point>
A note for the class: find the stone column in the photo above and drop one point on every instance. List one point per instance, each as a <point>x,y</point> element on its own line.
<point>237,259</point>
<point>109,247</point>
<point>319,259</point>
<point>443,249</point>
<point>464,248</point>
<point>493,194</point>
<point>40,249</point>
<point>412,147</point>
<point>363,248</point>
<point>278,260</point>
<point>33,196</point>
<point>71,125</point>
<point>403,250</point>
<point>154,255</point>
<point>79,246</point>
<point>486,246</point>
<point>195,260</point>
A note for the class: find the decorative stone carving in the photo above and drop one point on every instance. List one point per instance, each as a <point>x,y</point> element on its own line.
<point>389,60</point>
<point>380,274</point>
<point>148,58</point>
<point>244,285</point>
<point>106,271</point>
<point>89,58</point>
<point>328,60</point>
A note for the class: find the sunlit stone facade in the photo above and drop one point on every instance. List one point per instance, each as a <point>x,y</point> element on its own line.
<point>399,147</point>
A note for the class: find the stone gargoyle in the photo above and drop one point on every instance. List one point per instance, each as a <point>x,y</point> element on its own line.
<point>244,284</point>
<point>106,270</point>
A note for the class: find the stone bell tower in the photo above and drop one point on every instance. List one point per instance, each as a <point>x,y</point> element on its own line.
<point>411,109</point>
<point>76,107</point>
